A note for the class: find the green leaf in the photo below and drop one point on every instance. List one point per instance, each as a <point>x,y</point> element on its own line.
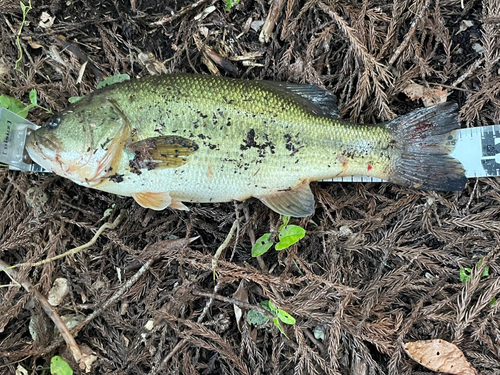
<point>112,80</point>
<point>14,105</point>
<point>256,318</point>
<point>74,99</point>
<point>465,274</point>
<point>108,211</point>
<point>59,366</point>
<point>231,3</point>
<point>269,306</point>
<point>290,235</point>
<point>277,324</point>
<point>286,220</point>
<point>262,245</point>
<point>493,302</point>
<point>285,317</point>
<point>486,271</point>
<point>33,97</point>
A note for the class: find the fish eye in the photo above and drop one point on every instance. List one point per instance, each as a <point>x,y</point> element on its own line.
<point>53,122</point>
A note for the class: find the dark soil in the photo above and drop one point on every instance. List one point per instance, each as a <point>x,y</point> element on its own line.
<point>380,264</point>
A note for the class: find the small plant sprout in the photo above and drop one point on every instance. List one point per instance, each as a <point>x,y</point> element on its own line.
<point>108,211</point>
<point>287,234</point>
<point>59,366</point>
<point>231,3</point>
<point>106,82</point>
<point>112,80</point>
<point>16,106</point>
<point>25,9</point>
<point>467,273</point>
<point>258,318</point>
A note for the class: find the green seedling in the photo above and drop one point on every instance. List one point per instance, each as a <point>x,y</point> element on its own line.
<point>18,107</point>
<point>258,318</point>
<point>466,273</point>
<point>106,82</point>
<point>59,366</point>
<point>287,235</point>
<point>108,211</point>
<point>25,9</point>
<point>14,105</point>
<point>231,3</point>
<point>113,80</point>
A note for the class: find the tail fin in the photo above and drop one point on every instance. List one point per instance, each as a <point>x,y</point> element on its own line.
<point>425,142</point>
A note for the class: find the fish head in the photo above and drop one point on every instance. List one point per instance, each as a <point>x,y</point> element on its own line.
<point>76,143</point>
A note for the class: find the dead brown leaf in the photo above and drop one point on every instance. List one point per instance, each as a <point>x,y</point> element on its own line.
<point>429,96</point>
<point>46,20</point>
<point>241,295</point>
<point>440,355</point>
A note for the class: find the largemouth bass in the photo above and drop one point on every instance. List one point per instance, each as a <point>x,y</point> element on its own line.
<point>169,139</point>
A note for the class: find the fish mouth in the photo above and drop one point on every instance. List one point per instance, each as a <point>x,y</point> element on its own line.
<point>47,150</point>
<point>42,149</point>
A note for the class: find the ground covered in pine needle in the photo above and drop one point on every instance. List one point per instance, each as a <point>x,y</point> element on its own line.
<point>380,264</point>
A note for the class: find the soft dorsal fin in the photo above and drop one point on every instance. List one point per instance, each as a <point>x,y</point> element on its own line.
<point>169,151</point>
<point>319,100</point>
<point>296,202</point>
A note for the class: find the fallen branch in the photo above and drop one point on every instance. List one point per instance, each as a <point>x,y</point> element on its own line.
<point>115,297</point>
<point>223,246</point>
<point>410,33</point>
<point>103,227</point>
<point>271,19</point>
<point>48,308</point>
<point>184,341</point>
<point>95,314</point>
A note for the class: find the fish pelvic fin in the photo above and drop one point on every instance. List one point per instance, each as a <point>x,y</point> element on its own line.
<point>155,201</point>
<point>425,138</point>
<point>296,202</point>
<point>158,201</point>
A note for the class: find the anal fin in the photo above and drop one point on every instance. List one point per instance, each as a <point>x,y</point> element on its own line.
<point>296,202</point>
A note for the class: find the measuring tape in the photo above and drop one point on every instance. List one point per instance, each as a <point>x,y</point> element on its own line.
<point>478,149</point>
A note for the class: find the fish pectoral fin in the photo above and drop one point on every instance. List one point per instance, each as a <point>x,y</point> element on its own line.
<point>155,201</point>
<point>168,151</point>
<point>296,202</point>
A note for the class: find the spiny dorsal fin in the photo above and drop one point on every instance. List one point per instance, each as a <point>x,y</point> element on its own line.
<point>296,202</point>
<point>168,151</point>
<point>319,100</point>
